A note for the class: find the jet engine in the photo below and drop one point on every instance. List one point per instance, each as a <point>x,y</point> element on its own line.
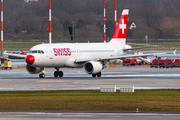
<point>33,70</point>
<point>93,67</point>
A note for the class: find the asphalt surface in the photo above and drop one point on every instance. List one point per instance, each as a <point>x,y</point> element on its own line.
<point>142,77</point>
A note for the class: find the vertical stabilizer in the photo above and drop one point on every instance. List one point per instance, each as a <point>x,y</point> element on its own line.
<point>121,29</point>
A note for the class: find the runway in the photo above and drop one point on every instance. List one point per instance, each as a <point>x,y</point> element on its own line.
<point>142,77</point>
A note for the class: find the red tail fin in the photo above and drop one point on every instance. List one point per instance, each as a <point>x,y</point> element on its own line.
<point>121,29</point>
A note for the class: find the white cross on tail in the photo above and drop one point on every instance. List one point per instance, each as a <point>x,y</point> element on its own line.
<point>122,26</point>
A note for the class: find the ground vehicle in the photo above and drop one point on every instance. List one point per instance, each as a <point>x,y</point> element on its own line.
<point>154,63</point>
<point>7,64</point>
<point>130,62</point>
<point>140,62</point>
<point>133,62</point>
<point>176,62</point>
<point>126,62</point>
<point>165,62</point>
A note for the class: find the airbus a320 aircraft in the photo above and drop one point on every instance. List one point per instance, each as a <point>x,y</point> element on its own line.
<point>91,56</point>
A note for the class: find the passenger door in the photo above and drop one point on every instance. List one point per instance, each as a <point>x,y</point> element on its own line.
<point>50,53</point>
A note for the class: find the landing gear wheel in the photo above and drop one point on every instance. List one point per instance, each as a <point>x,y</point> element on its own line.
<point>55,73</point>
<point>99,74</point>
<point>41,75</point>
<point>93,75</point>
<point>60,73</point>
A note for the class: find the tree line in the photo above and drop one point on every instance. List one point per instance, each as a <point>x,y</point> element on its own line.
<point>159,19</point>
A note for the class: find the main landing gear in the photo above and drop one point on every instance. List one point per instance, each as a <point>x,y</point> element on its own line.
<point>58,73</point>
<point>97,74</point>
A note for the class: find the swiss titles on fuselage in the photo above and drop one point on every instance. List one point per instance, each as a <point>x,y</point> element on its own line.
<point>62,51</point>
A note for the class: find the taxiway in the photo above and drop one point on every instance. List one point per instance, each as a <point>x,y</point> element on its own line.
<point>87,115</point>
<point>142,77</point>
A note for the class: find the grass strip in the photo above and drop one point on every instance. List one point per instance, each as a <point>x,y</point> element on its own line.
<point>90,100</point>
<point>19,45</point>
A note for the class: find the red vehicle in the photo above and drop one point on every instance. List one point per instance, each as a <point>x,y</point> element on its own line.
<point>154,63</point>
<point>140,62</point>
<point>176,62</point>
<point>131,62</point>
<point>126,62</point>
<point>166,62</point>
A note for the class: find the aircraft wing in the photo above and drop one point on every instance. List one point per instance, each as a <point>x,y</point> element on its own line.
<point>14,55</point>
<point>116,57</point>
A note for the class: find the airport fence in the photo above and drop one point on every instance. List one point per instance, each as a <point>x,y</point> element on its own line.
<point>154,44</point>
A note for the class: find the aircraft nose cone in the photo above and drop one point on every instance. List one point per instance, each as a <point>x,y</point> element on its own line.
<point>30,59</point>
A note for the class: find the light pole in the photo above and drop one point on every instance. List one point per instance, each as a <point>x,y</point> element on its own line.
<point>73,30</point>
<point>2,27</point>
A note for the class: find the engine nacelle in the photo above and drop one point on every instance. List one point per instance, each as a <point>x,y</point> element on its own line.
<point>93,67</point>
<point>33,70</point>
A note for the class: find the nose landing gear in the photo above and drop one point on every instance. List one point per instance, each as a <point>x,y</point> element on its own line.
<point>42,75</point>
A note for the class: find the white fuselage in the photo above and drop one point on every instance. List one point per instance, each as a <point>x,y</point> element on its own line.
<point>64,55</point>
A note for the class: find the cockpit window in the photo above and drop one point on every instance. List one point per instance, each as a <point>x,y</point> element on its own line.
<point>37,51</point>
<point>34,51</point>
<point>42,51</point>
